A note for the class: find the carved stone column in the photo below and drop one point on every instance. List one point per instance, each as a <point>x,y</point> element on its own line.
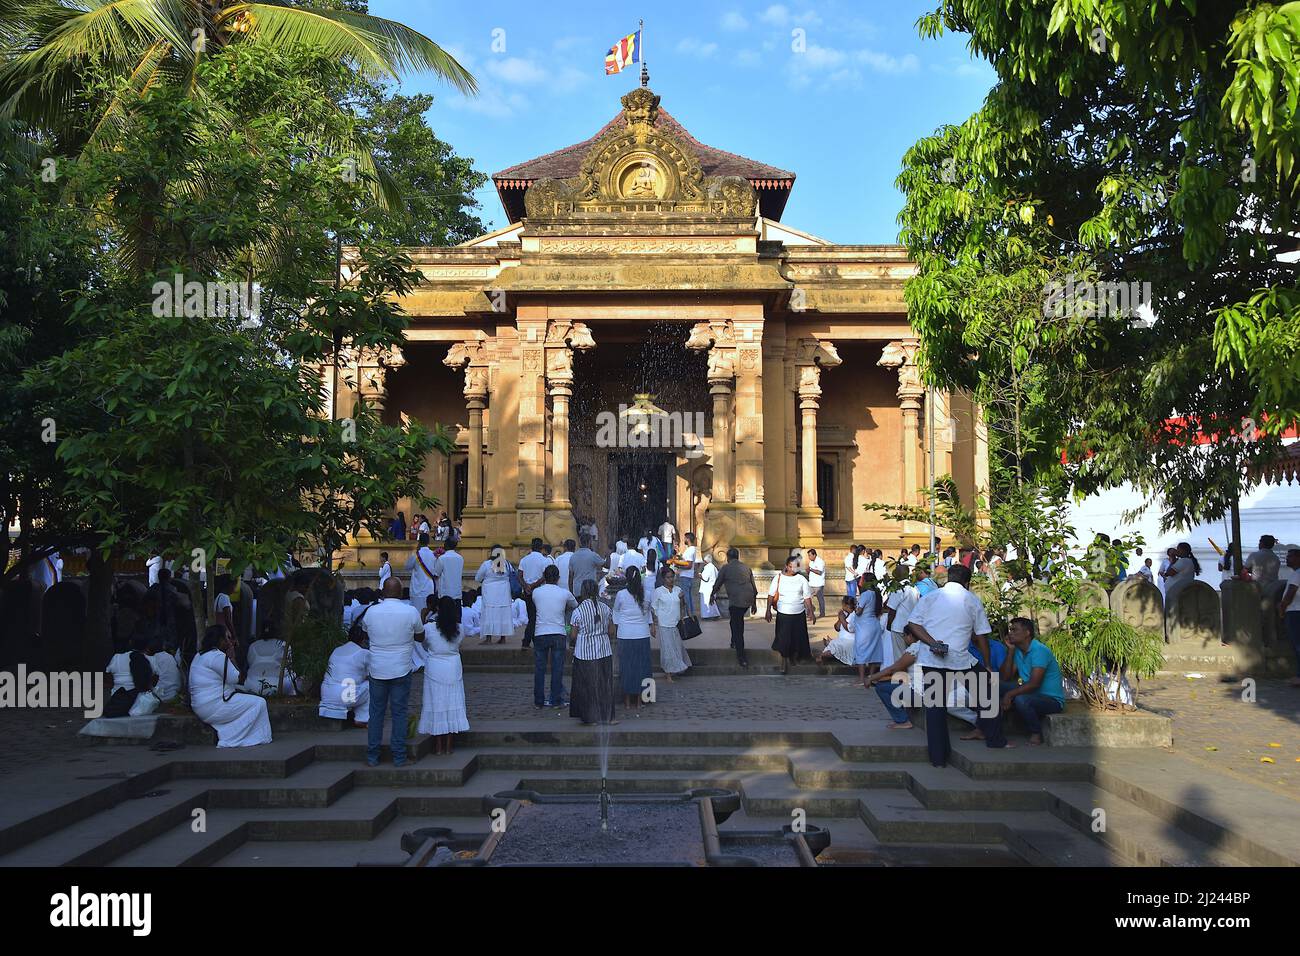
<point>472,357</point>
<point>901,355</point>
<point>718,340</point>
<point>562,339</point>
<point>812,356</point>
<point>372,375</point>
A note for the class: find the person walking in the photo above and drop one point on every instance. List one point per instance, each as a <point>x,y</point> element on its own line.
<point>688,573</point>
<point>393,626</point>
<point>792,599</point>
<point>817,580</point>
<point>736,580</point>
<point>669,607</point>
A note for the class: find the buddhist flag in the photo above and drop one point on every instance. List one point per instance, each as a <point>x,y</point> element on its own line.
<point>625,51</point>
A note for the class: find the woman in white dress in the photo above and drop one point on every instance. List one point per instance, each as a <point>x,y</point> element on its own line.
<point>668,606</point>
<point>442,712</point>
<point>264,660</point>
<point>346,687</point>
<point>841,647</point>
<point>708,581</point>
<point>239,719</point>
<point>497,617</point>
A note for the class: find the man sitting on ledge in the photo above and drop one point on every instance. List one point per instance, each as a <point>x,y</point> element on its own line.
<point>1031,680</point>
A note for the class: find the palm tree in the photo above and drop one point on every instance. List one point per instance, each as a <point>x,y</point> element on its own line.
<point>48,47</point>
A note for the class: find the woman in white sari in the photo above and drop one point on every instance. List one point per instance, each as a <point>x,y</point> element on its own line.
<point>708,580</point>
<point>668,605</point>
<point>442,712</point>
<point>240,720</point>
<point>497,616</point>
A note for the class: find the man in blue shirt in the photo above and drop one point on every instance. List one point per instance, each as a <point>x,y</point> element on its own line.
<point>1033,679</point>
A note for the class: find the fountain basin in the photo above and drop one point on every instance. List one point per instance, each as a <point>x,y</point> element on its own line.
<point>645,829</point>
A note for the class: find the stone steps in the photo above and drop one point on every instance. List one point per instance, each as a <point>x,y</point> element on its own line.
<point>1037,802</point>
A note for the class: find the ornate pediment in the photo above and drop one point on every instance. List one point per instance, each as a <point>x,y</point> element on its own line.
<point>639,168</point>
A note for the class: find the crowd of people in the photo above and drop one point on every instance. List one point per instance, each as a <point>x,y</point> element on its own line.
<point>901,620</point>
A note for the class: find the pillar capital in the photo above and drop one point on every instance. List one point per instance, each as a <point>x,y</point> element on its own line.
<point>901,355</point>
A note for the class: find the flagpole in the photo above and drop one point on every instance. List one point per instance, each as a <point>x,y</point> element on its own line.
<point>645,72</point>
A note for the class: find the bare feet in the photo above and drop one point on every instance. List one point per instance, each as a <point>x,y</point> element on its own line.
<point>1035,740</point>
<point>973,735</point>
<point>361,726</point>
<point>905,725</point>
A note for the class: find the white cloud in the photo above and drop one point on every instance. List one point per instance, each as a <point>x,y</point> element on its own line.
<point>778,15</point>
<point>885,63</point>
<point>748,58</point>
<point>734,21</point>
<point>491,101</point>
<point>693,47</point>
<point>516,71</point>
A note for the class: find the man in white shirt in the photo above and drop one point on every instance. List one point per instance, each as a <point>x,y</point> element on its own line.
<point>817,579</point>
<point>451,571</point>
<point>531,566</point>
<point>945,622</point>
<point>393,627</point>
<point>851,572</point>
<point>423,569</point>
<point>668,534</point>
<point>562,562</point>
<point>385,569</point>
<point>690,581</point>
<point>1264,564</point>
<point>552,605</point>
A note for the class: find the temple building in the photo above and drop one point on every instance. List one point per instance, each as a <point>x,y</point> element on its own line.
<point>648,340</point>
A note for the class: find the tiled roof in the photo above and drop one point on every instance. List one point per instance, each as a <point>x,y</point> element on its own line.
<point>566,162</point>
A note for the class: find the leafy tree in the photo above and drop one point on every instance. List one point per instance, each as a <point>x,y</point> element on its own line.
<point>434,187</point>
<point>51,48</point>
<point>1124,143</point>
<point>200,430</point>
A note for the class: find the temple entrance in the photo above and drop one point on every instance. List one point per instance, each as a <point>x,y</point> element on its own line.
<point>639,492</point>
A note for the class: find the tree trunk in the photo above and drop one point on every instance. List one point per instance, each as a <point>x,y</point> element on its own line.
<point>199,607</point>
<point>98,646</point>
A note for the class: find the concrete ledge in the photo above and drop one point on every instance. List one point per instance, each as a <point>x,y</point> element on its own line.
<point>1080,726</point>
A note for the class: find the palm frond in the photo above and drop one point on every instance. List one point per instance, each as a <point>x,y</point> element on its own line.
<point>376,46</point>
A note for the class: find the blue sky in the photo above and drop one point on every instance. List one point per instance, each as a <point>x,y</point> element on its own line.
<point>839,114</point>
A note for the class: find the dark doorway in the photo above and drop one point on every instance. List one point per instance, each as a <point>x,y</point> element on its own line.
<point>639,492</point>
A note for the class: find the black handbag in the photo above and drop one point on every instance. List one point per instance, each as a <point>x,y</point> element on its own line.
<point>689,627</point>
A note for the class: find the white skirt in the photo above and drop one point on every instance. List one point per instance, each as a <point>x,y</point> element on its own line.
<point>497,621</point>
<point>241,721</point>
<point>672,652</point>
<point>443,709</point>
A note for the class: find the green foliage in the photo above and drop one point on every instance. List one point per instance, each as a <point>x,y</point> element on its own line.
<point>1128,142</point>
<point>1094,646</point>
<point>309,647</point>
<point>211,431</point>
<point>434,186</point>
